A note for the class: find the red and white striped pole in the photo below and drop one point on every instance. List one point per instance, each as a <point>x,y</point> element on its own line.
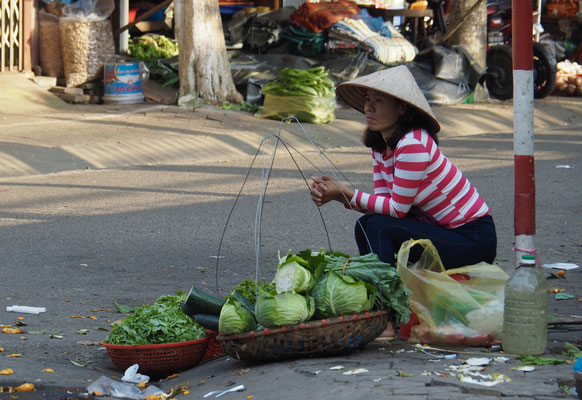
<point>523,132</point>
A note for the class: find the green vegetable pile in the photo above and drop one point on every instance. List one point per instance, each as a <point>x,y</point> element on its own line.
<point>153,47</point>
<point>248,288</point>
<point>306,94</point>
<point>161,322</point>
<point>159,53</point>
<point>314,285</point>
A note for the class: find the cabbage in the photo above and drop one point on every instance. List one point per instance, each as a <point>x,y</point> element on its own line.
<point>337,295</point>
<point>283,309</point>
<point>234,318</point>
<point>487,319</point>
<point>292,277</point>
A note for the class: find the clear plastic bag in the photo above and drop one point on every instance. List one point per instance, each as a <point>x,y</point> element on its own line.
<point>461,306</point>
<point>105,386</point>
<point>87,40</point>
<point>312,109</point>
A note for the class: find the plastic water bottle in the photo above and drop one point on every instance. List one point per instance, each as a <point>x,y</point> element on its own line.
<point>525,318</point>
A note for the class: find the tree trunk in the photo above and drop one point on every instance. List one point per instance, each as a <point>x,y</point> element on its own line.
<point>204,67</point>
<point>472,35</point>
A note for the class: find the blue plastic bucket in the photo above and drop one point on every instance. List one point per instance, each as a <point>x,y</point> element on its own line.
<point>122,84</point>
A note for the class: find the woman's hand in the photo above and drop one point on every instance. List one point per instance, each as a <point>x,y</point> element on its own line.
<point>324,189</point>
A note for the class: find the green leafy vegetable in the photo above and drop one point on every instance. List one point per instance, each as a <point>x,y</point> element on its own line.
<point>153,47</point>
<point>532,360</point>
<point>248,288</point>
<point>161,322</point>
<point>125,309</point>
<point>391,293</point>
<point>572,351</point>
<point>234,318</point>
<point>337,295</point>
<point>283,309</point>
<point>243,106</point>
<point>159,53</point>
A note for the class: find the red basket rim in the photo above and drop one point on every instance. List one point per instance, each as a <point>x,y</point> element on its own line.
<point>152,346</point>
<point>314,324</point>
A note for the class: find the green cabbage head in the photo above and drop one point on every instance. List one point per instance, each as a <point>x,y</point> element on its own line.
<point>337,295</point>
<point>234,318</point>
<point>294,278</point>
<point>283,309</point>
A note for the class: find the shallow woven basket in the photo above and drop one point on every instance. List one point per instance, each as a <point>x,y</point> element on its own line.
<point>313,338</point>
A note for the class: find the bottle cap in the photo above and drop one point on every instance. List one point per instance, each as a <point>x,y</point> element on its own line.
<point>529,259</point>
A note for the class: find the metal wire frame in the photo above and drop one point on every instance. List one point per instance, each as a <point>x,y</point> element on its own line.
<point>265,175</point>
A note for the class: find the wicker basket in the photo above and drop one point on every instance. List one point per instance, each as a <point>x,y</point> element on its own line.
<point>313,338</point>
<point>158,360</point>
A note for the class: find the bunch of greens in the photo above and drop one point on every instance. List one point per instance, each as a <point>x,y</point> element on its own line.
<point>152,47</point>
<point>243,106</point>
<point>248,288</point>
<point>161,322</point>
<point>391,293</point>
<point>160,55</point>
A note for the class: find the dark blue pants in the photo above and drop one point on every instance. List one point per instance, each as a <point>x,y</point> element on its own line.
<point>468,244</point>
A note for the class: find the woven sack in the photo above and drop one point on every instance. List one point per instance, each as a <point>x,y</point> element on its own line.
<point>50,54</point>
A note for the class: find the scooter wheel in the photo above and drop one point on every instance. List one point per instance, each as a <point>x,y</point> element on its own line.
<point>545,69</point>
<point>499,75</point>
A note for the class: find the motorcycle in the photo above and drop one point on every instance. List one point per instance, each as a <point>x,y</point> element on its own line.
<point>499,72</point>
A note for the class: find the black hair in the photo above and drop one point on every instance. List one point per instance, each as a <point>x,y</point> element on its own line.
<point>412,119</point>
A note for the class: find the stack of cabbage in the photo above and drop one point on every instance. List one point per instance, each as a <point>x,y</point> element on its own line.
<point>311,285</point>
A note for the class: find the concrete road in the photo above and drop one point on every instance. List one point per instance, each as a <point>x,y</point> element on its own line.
<point>85,226</point>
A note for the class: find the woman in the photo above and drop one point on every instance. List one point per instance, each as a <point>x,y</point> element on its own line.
<point>418,192</point>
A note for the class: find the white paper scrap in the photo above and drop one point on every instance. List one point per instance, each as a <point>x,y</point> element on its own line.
<point>565,166</point>
<point>564,266</point>
<point>478,361</point>
<point>26,309</point>
<point>495,379</point>
<point>525,368</point>
<point>337,367</point>
<point>356,371</point>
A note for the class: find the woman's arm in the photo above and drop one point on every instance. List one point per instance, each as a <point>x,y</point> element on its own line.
<point>411,161</point>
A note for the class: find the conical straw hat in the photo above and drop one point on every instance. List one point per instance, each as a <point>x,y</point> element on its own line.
<point>397,82</point>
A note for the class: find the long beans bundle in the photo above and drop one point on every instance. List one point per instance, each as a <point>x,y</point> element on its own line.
<point>307,94</point>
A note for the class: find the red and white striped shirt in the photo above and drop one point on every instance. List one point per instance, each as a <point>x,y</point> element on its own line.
<point>418,174</point>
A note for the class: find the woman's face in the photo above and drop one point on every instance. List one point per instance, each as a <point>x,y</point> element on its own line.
<point>382,111</point>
